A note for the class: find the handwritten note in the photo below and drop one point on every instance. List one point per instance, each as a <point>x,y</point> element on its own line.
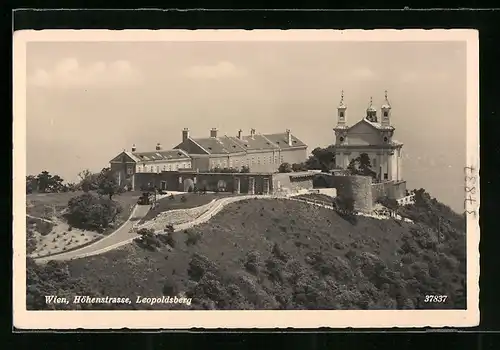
<point>471,188</point>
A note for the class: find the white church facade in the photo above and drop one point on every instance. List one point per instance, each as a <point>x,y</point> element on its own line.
<point>371,135</point>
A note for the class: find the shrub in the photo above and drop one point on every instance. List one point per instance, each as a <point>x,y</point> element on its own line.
<point>44,227</point>
<point>148,239</point>
<point>192,238</point>
<point>92,212</point>
<point>170,288</point>
<point>199,265</point>
<point>168,239</point>
<point>253,262</point>
<point>280,253</point>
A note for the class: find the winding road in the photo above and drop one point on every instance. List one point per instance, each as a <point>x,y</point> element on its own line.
<point>126,234</point>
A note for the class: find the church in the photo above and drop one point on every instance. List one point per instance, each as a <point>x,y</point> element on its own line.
<point>372,136</point>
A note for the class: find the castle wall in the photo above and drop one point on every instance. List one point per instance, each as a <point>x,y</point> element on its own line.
<point>224,182</point>
<point>390,189</point>
<point>358,188</point>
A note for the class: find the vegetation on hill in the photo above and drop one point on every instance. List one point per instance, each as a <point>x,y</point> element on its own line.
<point>279,254</point>
<point>92,212</point>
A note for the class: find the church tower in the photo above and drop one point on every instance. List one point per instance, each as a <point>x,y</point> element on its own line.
<point>341,109</point>
<point>371,112</point>
<point>386,112</point>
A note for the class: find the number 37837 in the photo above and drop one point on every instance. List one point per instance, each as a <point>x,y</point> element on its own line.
<point>435,298</point>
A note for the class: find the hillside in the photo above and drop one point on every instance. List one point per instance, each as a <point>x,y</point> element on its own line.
<point>275,254</point>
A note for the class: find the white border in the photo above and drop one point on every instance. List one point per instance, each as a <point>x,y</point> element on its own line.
<point>24,319</point>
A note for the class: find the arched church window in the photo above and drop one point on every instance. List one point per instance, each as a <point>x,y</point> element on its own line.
<point>341,114</point>
<point>341,139</point>
<point>386,114</point>
<point>385,139</point>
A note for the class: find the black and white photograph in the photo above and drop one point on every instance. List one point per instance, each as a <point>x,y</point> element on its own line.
<point>304,178</point>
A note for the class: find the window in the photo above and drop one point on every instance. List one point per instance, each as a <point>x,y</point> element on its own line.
<point>164,167</point>
<point>281,159</point>
<point>341,114</point>
<point>130,170</point>
<point>386,176</point>
<point>386,114</point>
<point>157,169</point>
<point>258,160</point>
<point>151,169</point>
<point>270,159</point>
<point>253,160</point>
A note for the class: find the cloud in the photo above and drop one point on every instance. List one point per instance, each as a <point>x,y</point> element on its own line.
<point>70,73</point>
<point>221,70</point>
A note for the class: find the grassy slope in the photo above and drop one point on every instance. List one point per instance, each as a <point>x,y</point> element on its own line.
<point>173,203</point>
<point>306,257</point>
<point>52,238</point>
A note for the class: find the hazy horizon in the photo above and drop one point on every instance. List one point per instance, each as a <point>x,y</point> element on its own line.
<point>87,101</point>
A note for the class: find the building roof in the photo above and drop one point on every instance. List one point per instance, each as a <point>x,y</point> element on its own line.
<point>163,155</point>
<point>259,142</point>
<point>219,145</point>
<point>378,126</point>
<point>281,140</point>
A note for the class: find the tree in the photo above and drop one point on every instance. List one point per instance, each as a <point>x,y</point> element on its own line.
<point>299,167</point>
<point>361,166</point>
<point>31,184</point>
<point>245,169</point>
<point>107,184</point>
<point>88,180</point>
<point>322,159</point>
<point>47,183</point>
<point>88,211</point>
<point>285,168</point>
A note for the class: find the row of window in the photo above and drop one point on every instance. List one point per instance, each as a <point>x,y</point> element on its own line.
<point>224,163</point>
<point>165,167</point>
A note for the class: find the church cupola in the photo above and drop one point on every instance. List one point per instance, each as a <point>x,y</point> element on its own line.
<point>371,112</point>
<point>386,112</point>
<point>341,109</point>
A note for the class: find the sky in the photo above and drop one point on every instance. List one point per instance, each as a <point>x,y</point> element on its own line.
<point>87,101</point>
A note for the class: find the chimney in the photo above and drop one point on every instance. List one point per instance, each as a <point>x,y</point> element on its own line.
<point>185,134</point>
<point>158,146</point>
<point>252,133</point>
<point>213,132</point>
<point>134,148</point>
<point>288,137</point>
<point>239,133</point>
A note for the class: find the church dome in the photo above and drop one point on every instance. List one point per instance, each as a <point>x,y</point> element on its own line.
<point>371,109</point>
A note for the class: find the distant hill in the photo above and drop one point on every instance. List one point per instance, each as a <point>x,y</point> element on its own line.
<point>280,254</point>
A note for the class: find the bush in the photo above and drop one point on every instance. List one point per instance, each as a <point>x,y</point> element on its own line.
<point>199,265</point>
<point>253,262</point>
<point>92,212</point>
<point>44,227</point>
<point>170,288</point>
<point>192,238</point>
<point>148,239</point>
<point>168,239</point>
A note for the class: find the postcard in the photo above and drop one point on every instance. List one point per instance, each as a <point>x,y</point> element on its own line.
<point>181,179</point>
